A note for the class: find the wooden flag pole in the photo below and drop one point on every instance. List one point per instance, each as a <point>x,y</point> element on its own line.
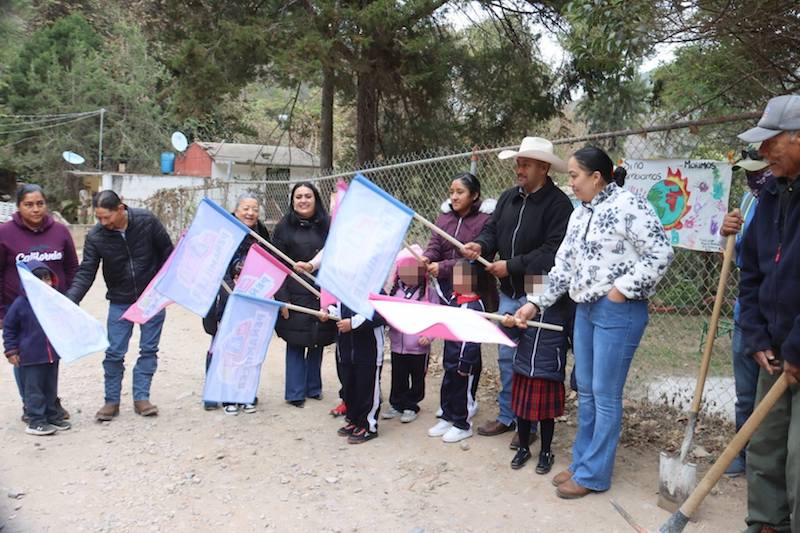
<point>287,305</point>
<point>531,323</point>
<point>274,249</point>
<point>293,274</point>
<point>446,236</point>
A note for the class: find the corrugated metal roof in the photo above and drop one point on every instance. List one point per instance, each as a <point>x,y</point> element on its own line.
<point>261,154</point>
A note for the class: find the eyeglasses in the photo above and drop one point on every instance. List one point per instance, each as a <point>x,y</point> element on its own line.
<point>751,153</point>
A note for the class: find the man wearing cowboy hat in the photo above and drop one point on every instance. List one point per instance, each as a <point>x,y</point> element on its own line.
<point>745,369</point>
<point>770,319</point>
<point>525,230</point>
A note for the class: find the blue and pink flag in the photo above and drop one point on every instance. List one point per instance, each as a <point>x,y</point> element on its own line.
<point>151,301</point>
<point>239,349</point>
<point>326,298</point>
<point>73,332</point>
<point>362,244</point>
<point>262,275</point>
<point>437,321</point>
<point>201,258</point>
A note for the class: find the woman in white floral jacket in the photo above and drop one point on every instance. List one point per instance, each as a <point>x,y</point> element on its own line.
<point>614,254</point>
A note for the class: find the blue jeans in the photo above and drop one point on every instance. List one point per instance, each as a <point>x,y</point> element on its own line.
<point>20,384</point>
<point>745,376</point>
<point>303,372</point>
<point>606,336</point>
<point>505,359</point>
<point>119,334</point>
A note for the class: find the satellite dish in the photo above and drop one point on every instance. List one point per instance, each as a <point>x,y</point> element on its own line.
<point>179,141</point>
<point>72,158</point>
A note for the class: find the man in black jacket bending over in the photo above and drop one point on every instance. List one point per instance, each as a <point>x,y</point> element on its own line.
<point>525,230</point>
<point>132,245</point>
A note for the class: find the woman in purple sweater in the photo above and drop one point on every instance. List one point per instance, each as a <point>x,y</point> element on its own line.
<point>33,235</point>
<point>463,216</point>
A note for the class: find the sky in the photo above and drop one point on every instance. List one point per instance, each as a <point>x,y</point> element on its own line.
<point>551,50</point>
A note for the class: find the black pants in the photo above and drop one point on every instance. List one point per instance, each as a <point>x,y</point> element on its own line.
<point>408,381</point>
<point>41,393</point>
<point>458,397</point>
<point>361,385</point>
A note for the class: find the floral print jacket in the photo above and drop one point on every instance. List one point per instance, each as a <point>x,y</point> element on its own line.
<point>615,241</point>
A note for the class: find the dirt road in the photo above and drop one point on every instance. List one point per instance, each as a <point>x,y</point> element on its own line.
<point>284,468</point>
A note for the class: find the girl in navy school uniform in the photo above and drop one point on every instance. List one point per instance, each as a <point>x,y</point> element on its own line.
<point>461,360</point>
<point>537,391</point>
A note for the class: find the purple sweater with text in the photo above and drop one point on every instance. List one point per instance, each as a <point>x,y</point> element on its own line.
<point>51,244</point>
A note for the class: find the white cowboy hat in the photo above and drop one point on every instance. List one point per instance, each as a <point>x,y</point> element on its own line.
<point>539,149</point>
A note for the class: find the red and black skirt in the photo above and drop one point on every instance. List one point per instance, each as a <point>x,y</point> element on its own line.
<point>536,399</point>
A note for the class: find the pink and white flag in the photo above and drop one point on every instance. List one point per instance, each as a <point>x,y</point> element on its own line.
<point>151,301</point>
<point>326,298</point>
<point>437,321</point>
<point>262,275</point>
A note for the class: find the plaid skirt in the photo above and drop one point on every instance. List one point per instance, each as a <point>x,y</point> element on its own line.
<point>536,399</point>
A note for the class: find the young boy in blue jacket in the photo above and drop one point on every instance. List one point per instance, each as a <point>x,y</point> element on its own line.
<point>27,347</point>
<point>461,360</point>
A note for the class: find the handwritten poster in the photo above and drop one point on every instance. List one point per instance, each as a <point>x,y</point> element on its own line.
<point>689,196</point>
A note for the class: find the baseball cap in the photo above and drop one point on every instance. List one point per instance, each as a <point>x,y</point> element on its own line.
<point>751,161</point>
<point>781,114</point>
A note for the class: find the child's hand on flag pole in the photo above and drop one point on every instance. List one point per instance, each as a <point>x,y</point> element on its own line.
<point>525,313</point>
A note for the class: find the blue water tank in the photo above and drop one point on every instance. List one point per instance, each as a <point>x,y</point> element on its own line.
<point>167,162</point>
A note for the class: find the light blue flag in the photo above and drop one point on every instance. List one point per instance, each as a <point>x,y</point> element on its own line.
<point>362,244</point>
<point>73,332</point>
<point>202,257</point>
<point>239,349</point>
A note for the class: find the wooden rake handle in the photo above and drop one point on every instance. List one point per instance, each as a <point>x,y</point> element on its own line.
<point>727,262</point>
<point>734,447</point>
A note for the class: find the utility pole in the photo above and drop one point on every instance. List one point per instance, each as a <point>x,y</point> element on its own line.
<point>100,144</point>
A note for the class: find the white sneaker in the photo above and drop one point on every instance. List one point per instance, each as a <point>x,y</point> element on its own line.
<point>408,416</point>
<point>439,412</point>
<point>232,409</point>
<point>442,427</point>
<point>391,413</point>
<point>249,408</point>
<point>455,434</point>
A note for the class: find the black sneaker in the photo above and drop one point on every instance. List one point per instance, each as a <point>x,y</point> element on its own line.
<point>61,425</point>
<point>360,436</point>
<point>346,431</point>
<point>25,418</point>
<point>519,460</point>
<point>546,460</point>
<point>297,403</point>
<point>40,430</point>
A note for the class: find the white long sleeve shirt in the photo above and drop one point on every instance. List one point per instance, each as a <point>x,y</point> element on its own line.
<point>616,240</point>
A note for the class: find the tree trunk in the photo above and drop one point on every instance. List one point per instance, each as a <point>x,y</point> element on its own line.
<point>366,117</point>
<point>326,120</point>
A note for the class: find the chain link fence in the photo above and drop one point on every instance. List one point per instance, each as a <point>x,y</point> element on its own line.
<point>666,364</point>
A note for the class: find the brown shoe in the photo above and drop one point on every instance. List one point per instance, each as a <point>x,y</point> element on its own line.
<point>63,413</point>
<point>514,445</point>
<point>569,490</point>
<point>145,408</point>
<point>561,477</point>
<point>494,427</point>
<point>107,412</point>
